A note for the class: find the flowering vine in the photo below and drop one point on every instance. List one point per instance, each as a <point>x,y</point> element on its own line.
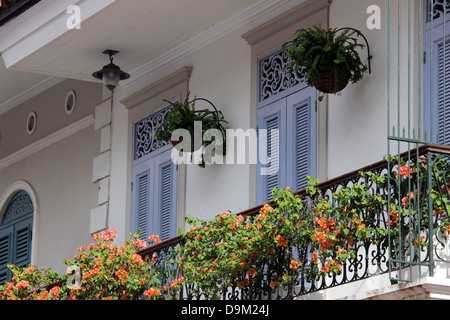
<point>294,238</point>
<point>100,271</point>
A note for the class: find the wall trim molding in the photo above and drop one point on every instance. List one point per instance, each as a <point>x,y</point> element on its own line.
<point>29,93</point>
<point>284,20</point>
<point>47,141</point>
<point>156,88</point>
<point>202,39</point>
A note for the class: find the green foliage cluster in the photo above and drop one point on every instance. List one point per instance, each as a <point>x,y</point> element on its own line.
<point>183,115</point>
<point>296,237</point>
<point>315,51</point>
<point>315,234</point>
<point>101,271</point>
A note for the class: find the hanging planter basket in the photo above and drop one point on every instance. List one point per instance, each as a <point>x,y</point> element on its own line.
<point>184,115</point>
<point>175,142</point>
<point>330,82</point>
<point>327,59</point>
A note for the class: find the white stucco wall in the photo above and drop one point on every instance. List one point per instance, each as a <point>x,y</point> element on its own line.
<point>357,116</point>
<point>61,176</point>
<point>358,125</point>
<point>221,73</point>
<point>356,120</point>
<point>56,164</point>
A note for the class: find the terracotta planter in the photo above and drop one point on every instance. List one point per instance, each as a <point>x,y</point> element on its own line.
<point>175,143</point>
<point>328,83</point>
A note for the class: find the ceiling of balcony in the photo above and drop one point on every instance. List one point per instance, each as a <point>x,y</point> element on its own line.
<point>141,30</point>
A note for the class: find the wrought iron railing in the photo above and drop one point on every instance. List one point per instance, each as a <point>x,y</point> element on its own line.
<point>398,251</point>
<point>10,9</point>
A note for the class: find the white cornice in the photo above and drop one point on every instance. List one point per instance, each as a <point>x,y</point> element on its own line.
<point>284,20</point>
<point>47,141</point>
<point>202,39</point>
<point>40,25</point>
<point>29,93</point>
<point>162,85</point>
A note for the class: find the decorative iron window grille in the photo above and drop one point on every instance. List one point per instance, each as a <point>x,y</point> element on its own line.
<point>436,9</point>
<point>272,79</point>
<point>20,205</point>
<point>144,133</point>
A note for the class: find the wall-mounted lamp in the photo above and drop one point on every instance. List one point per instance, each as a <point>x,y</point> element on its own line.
<point>111,74</point>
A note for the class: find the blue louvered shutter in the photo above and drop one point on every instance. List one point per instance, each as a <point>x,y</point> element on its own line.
<point>16,234</point>
<point>5,253</point>
<point>295,118</point>
<point>272,175</point>
<point>22,243</point>
<point>153,209</point>
<point>444,93</point>
<point>167,202</point>
<point>301,135</point>
<point>142,203</point>
<point>436,93</point>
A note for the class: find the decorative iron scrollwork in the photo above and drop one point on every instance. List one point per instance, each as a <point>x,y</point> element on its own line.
<point>20,205</point>
<point>436,9</point>
<point>144,134</point>
<point>272,77</point>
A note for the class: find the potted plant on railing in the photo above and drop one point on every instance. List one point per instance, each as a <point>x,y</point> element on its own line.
<point>184,115</point>
<point>327,59</point>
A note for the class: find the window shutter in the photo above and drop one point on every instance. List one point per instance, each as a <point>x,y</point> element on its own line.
<point>22,243</point>
<point>302,144</point>
<point>142,203</point>
<point>301,138</point>
<point>273,179</point>
<point>166,201</point>
<point>444,93</point>
<point>154,189</point>
<point>5,254</point>
<point>272,118</point>
<point>154,194</point>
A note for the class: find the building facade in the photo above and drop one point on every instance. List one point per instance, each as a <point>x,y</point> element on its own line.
<point>84,158</point>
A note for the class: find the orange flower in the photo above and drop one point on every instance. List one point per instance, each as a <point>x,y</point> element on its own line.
<point>152,292</point>
<point>30,269</point>
<point>294,264</point>
<point>404,201</point>
<point>154,238</point>
<point>121,274</point>
<point>319,236</point>
<point>55,291</point>
<point>274,284</point>
<point>251,272</point>
<point>137,258</point>
<point>325,244</point>
<point>314,257</point>
<point>22,284</point>
<point>281,241</point>
<point>405,171</point>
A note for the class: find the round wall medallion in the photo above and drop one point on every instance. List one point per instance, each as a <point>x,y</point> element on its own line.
<point>70,102</point>
<point>31,122</point>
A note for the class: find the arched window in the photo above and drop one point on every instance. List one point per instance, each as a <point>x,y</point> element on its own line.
<point>16,234</point>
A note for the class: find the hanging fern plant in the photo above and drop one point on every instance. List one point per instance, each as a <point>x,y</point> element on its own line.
<point>327,59</point>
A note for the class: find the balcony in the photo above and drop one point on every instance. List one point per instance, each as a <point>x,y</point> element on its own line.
<point>410,252</point>
<point>9,9</point>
